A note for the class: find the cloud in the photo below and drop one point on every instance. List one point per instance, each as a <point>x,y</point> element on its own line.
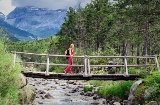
<point>6,6</point>
<point>51,4</point>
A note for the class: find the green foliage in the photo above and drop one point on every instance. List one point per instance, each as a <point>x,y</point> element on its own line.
<point>96,83</point>
<point>108,52</point>
<point>119,89</point>
<point>112,88</point>
<point>9,76</point>
<point>153,81</point>
<point>87,88</point>
<point>57,69</point>
<point>139,93</point>
<point>150,89</point>
<point>159,59</point>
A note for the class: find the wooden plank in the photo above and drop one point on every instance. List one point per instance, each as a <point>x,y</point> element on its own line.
<point>80,76</point>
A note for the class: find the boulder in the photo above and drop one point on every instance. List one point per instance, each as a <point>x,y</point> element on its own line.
<point>133,88</point>
<point>152,103</point>
<point>23,81</point>
<point>27,94</point>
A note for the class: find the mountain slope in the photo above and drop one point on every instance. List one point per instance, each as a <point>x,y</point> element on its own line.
<point>7,36</point>
<point>41,22</point>
<point>19,34</point>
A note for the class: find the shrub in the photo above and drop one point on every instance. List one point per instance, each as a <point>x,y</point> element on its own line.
<point>57,69</point>
<point>9,78</point>
<point>153,80</point>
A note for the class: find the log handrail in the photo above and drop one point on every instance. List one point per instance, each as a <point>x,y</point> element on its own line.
<point>87,64</point>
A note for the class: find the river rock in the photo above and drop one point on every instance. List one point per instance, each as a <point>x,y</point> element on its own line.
<point>103,102</point>
<point>116,103</point>
<point>23,81</point>
<point>152,103</point>
<point>70,82</point>
<point>27,94</point>
<point>48,96</point>
<point>88,94</point>
<point>82,93</point>
<point>133,88</point>
<point>95,96</point>
<point>148,92</point>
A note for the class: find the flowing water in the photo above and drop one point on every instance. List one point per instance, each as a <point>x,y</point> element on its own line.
<point>61,92</point>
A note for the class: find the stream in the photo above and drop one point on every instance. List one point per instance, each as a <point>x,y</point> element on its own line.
<point>63,92</point>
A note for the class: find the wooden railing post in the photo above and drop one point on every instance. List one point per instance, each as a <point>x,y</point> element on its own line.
<point>157,64</point>
<point>85,65</point>
<point>88,65</point>
<point>125,64</point>
<point>47,65</point>
<point>14,59</point>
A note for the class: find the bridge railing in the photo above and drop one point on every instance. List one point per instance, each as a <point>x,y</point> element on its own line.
<point>125,62</point>
<point>48,63</point>
<point>87,62</point>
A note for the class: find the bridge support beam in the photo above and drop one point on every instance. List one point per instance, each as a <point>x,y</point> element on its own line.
<point>14,59</point>
<point>125,64</point>
<point>157,64</point>
<point>47,65</point>
<point>88,65</point>
<point>85,65</point>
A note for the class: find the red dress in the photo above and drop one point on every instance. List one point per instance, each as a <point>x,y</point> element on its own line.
<point>68,69</point>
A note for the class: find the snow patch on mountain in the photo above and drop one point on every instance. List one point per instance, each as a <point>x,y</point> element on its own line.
<point>2,16</point>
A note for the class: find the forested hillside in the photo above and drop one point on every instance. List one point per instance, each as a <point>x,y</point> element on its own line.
<point>19,34</point>
<point>128,27</point>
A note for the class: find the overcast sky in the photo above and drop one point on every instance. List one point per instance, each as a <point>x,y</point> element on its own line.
<point>7,6</point>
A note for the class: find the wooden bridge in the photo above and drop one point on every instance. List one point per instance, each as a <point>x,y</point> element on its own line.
<point>87,68</point>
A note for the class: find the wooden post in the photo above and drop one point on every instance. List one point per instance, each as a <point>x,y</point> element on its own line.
<point>14,59</point>
<point>47,65</point>
<point>85,65</point>
<point>157,64</point>
<point>125,64</point>
<point>88,66</point>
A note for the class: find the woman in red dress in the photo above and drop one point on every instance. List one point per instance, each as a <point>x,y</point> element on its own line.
<point>68,69</point>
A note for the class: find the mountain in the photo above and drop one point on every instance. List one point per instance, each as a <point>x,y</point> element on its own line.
<point>19,34</point>
<point>41,22</point>
<point>2,16</point>
<point>6,35</point>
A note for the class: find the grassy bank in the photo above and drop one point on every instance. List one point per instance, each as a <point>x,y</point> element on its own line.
<point>9,78</point>
<point>148,91</point>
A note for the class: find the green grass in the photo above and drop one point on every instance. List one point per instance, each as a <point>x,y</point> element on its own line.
<point>112,88</point>
<point>9,78</point>
<point>87,88</point>
<point>119,89</point>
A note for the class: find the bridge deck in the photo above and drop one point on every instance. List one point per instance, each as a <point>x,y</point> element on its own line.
<point>63,76</point>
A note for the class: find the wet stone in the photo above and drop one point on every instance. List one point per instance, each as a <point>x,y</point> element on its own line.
<point>40,102</point>
<point>42,92</point>
<point>48,96</point>
<point>48,92</point>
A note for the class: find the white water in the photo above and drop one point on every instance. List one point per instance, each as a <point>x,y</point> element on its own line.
<point>61,92</point>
